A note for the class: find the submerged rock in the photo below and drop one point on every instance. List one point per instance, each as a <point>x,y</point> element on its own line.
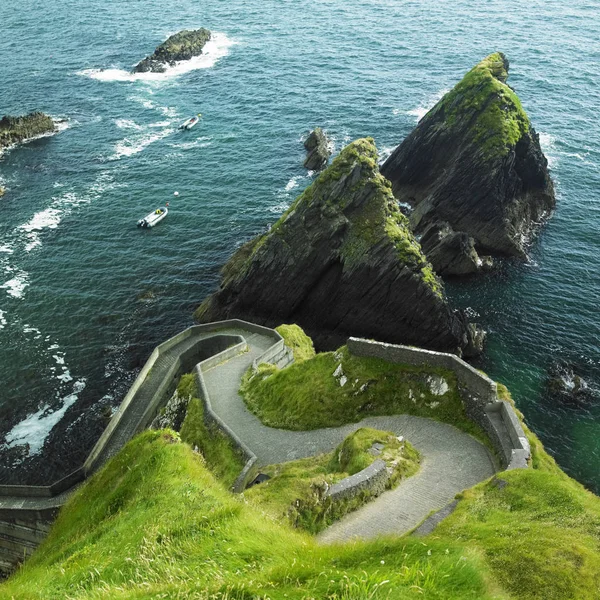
<point>566,384</point>
<point>180,46</point>
<point>342,261</point>
<point>14,130</point>
<point>474,162</point>
<point>2,191</point>
<point>318,150</point>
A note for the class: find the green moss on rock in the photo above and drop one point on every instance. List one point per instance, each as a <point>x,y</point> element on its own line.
<point>500,120</point>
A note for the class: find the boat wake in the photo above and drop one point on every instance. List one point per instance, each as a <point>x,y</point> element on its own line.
<point>134,145</point>
<point>215,49</point>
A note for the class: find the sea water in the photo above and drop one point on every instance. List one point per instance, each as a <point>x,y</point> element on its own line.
<point>84,295</point>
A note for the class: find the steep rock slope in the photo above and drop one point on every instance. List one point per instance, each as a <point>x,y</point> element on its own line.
<point>318,150</point>
<point>474,165</point>
<point>342,261</point>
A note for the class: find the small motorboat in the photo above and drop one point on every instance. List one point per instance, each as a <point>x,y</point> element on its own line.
<point>190,122</point>
<point>154,217</point>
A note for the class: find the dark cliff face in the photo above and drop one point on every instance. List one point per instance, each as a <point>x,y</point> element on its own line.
<point>341,261</point>
<point>474,164</point>
<point>318,150</point>
<point>18,129</point>
<point>180,46</point>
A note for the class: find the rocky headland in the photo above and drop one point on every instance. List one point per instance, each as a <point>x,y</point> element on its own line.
<point>343,261</point>
<point>474,172</point>
<point>14,130</point>
<point>317,147</point>
<point>181,46</point>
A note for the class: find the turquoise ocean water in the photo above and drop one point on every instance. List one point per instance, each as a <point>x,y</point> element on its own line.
<point>84,295</point>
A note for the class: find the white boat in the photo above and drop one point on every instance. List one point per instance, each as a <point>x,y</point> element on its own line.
<point>190,122</point>
<point>154,217</point>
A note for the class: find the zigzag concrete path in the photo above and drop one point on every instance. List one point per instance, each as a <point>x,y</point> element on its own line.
<point>452,460</point>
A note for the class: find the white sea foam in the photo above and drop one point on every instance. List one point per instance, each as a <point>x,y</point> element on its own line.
<point>292,183</point>
<point>201,142</point>
<point>548,144</point>
<point>36,427</point>
<point>15,286</point>
<point>134,145</point>
<point>3,321</point>
<point>28,236</point>
<point>420,111</point>
<point>384,153</point>
<point>127,124</point>
<point>216,48</point>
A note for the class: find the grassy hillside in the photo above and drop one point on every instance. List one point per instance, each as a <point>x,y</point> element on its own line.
<point>158,521</point>
<point>155,523</point>
<point>310,394</point>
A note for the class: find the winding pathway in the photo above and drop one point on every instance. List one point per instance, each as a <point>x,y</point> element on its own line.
<point>452,460</point>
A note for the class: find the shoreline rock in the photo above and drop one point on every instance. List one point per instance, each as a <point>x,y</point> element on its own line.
<point>342,261</point>
<point>181,46</point>
<point>317,147</point>
<point>15,130</point>
<point>474,163</point>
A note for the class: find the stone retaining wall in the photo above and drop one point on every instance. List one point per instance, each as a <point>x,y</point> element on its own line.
<point>372,479</point>
<point>478,392</point>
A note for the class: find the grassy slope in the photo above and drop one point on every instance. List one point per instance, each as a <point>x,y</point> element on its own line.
<point>308,396</point>
<point>154,523</point>
<point>295,338</point>
<point>294,492</point>
<point>221,456</point>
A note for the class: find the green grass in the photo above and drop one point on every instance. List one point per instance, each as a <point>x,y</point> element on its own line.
<point>295,491</point>
<point>539,533</point>
<point>500,120</point>
<point>308,396</point>
<point>154,523</point>
<point>221,456</point>
<point>295,338</point>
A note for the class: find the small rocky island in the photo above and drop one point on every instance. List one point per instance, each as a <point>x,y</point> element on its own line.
<point>316,145</point>
<point>474,172</point>
<point>343,261</point>
<point>181,46</point>
<point>14,130</point>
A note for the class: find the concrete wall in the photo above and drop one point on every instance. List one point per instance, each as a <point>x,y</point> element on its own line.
<point>478,392</point>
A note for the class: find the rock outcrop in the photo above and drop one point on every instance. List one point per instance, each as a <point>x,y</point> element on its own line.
<point>474,164</point>
<point>451,252</point>
<point>318,150</point>
<point>14,130</point>
<point>180,46</point>
<point>342,261</point>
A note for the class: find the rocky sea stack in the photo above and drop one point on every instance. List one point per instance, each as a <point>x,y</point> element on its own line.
<point>318,150</point>
<point>474,172</point>
<point>181,46</point>
<point>342,261</point>
<point>14,130</point>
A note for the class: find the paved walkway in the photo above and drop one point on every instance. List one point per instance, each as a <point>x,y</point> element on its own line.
<point>452,460</point>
